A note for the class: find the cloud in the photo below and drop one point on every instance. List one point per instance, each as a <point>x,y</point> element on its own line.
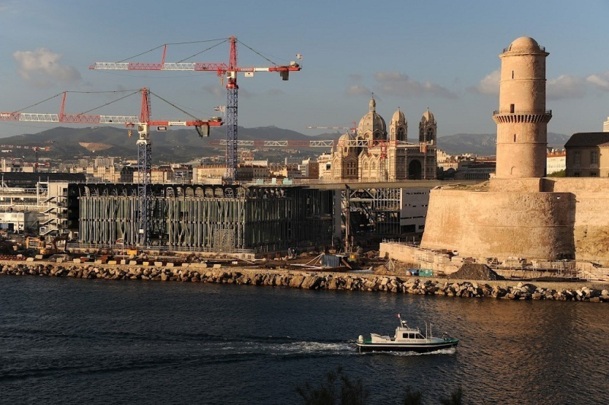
<point>489,84</point>
<point>562,87</point>
<point>358,90</point>
<point>6,5</point>
<point>215,90</point>
<point>42,68</point>
<point>275,92</point>
<point>599,81</point>
<point>565,87</point>
<point>399,84</point>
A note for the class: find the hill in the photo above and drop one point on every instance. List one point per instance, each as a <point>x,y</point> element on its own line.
<point>182,145</point>
<point>485,144</point>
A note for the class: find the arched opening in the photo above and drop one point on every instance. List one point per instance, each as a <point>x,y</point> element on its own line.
<point>414,170</point>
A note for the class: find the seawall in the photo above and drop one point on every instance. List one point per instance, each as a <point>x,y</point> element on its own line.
<point>317,281</point>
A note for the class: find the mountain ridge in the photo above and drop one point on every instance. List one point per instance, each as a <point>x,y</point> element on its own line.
<point>181,145</point>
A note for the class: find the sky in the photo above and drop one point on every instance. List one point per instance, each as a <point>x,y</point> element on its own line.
<point>412,55</point>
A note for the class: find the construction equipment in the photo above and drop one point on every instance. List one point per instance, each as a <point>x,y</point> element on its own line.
<point>223,70</point>
<point>47,247</point>
<point>142,123</point>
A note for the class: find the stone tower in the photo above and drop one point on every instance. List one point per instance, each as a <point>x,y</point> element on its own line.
<point>398,128</point>
<point>522,119</point>
<point>428,128</point>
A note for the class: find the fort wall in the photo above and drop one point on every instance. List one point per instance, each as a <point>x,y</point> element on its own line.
<point>500,224</point>
<point>591,228</point>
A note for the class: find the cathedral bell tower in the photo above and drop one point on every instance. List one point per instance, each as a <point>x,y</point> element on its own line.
<point>522,119</point>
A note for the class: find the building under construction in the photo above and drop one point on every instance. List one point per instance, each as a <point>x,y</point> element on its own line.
<point>216,218</point>
<point>247,218</point>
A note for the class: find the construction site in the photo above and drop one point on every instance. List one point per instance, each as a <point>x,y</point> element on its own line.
<point>374,185</point>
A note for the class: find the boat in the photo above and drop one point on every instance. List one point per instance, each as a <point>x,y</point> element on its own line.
<point>406,339</point>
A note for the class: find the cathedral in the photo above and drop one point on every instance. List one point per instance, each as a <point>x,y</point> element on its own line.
<point>373,154</point>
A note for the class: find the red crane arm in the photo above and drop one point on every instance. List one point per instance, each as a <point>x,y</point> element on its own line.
<point>127,120</point>
<point>220,68</point>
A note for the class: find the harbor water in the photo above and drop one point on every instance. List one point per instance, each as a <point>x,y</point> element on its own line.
<point>74,341</point>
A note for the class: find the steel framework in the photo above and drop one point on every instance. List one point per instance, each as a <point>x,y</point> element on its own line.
<point>206,217</point>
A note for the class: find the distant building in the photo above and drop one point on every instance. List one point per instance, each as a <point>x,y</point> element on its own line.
<point>606,125</point>
<point>476,169</point>
<point>17,166</point>
<point>309,169</point>
<point>587,155</point>
<point>127,174</point>
<point>465,167</point>
<point>208,173</point>
<point>556,161</point>
<point>324,166</point>
<point>19,222</point>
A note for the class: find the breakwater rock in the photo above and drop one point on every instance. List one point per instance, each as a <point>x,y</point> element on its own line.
<point>310,281</point>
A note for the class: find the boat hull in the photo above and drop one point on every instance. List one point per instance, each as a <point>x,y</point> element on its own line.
<point>405,347</point>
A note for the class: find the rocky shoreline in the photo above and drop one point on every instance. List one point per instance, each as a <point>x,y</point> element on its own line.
<point>315,281</point>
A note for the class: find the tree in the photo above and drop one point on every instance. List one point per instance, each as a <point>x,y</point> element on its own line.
<point>350,392</point>
<point>456,398</point>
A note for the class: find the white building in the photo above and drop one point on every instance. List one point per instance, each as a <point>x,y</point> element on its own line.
<point>556,161</point>
<point>414,210</point>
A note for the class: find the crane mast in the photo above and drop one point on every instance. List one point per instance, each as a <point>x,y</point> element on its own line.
<point>228,71</point>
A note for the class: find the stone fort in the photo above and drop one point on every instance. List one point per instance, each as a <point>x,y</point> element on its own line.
<point>520,212</point>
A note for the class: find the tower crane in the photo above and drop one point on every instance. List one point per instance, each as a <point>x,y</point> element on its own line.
<point>143,123</point>
<point>223,70</point>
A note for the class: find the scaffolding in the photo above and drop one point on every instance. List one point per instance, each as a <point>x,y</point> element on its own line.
<point>220,218</point>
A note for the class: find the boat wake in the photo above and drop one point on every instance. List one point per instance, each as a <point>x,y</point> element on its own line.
<point>451,350</point>
<point>282,346</point>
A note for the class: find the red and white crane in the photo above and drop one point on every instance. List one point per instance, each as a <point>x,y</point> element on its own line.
<point>224,70</point>
<point>142,123</point>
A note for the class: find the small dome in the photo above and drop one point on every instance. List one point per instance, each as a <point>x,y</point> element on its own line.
<point>345,138</point>
<point>398,116</point>
<point>428,116</point>
<point>524,44</point>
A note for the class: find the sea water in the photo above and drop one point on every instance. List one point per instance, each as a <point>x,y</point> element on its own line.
<point>73,341</point>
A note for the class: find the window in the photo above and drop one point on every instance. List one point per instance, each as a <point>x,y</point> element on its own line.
<point>514,137</point>
<point>512,108</point>
<point>593,157</point>
<point>577,158</point>
<point>512,74</point>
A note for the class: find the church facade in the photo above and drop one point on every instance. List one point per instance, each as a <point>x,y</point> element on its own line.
<point>375,153</point>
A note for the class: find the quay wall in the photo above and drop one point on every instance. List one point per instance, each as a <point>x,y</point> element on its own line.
<point>315,280</point>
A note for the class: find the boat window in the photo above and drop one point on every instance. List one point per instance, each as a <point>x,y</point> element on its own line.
<point>419,336</point>
<point>405,335</point>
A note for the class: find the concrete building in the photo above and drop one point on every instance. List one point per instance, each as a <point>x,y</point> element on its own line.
<point>28,205</point>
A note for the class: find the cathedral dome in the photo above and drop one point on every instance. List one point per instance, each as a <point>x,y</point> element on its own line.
<point>372,125</point>
<point>524,44</point>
